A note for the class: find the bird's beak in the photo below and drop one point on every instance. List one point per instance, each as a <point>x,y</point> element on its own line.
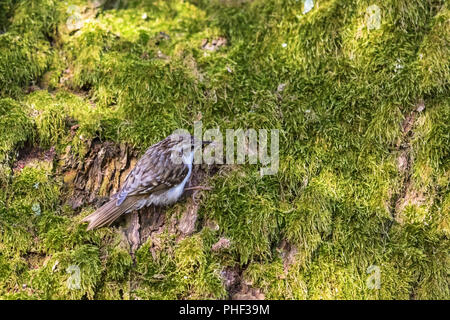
<point>205,143</point>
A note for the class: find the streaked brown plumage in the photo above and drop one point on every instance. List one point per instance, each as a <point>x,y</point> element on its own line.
<point>156,179</point>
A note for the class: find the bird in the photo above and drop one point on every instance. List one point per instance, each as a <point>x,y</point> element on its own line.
<point>158,178</point>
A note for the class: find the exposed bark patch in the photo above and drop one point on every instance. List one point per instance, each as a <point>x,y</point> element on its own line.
<point>81,15</point>
<point>234,3</point>
<point>211,224</point>
<point>66,76</point>
<point>152,222</point>
<point>288,253</point>
<point>189,218</point>
<point>133,234</point>
<point>32,88</point>
<point>35,259</point>
<point>99,176</point>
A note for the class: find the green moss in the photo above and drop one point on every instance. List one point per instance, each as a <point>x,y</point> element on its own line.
<point>20,65</point>
<point>41,16</point>
<point>431,152</point>
<point>188,272</point>
<point>6,11</point>
<point>251,223</point>
<point>311,218</point>
<point>69,275</point>
<point>338,89</point>
<point>13,274</point>
<point>55,114</point>
<point>35,184</point>
<point>26,52</point>
<point>276,282</point>
<point>421,252</point>
<point>195,273</point>
<point>30,194</point>
<point>434,55</point>
<point>118,265</point>
<point>15,127</point>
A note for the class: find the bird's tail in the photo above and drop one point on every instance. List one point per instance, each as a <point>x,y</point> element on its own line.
<point>108,213</point>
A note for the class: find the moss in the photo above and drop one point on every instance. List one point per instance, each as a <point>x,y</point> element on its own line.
<point>338,88</point>
<point>69,275</point>
<point>420,251</point>
<point>6,11</point>
<point>56,114</point>
<point>35,184</point>
<point>27,60</point>
<point>434,55</point>
<point>276,282</point>
<point>195,273</point>
<point>311,218</point>
<point>256,216</point>
<point>188,272</point>
<point>430,151</point>
<point>140,74</point>
<point>34,225</point>
<point>26,51</point>
<point>13,273</point>
<point>118,265</point>
<point>15,128</point>
<point>30,195</point>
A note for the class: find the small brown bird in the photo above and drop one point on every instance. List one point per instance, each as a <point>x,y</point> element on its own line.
<point>158,178</point>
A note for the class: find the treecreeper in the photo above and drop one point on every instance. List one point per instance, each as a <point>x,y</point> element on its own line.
<point>158,178</point>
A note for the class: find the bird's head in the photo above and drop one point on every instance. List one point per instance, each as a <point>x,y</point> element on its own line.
<point>184,145</point>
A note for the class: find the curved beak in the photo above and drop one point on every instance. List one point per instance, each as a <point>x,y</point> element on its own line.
<point>205,143</point>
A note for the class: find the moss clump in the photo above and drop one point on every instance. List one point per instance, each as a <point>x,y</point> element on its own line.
<point>277,281</point>
<point>127,68</point>
<point>15,127</point>
<point>69,275</point>
<point>6,11</point>
<point>195,272</point>
<point>26,51</point>
<point>434,55</point>
<point>62,118</point>
<point>35,232</point>
<point>30,194</point>
<point>431,153</point>
<point>256,215</point>
<point>189,271</point>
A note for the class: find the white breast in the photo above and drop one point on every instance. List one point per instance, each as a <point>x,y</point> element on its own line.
<point>173,194</point>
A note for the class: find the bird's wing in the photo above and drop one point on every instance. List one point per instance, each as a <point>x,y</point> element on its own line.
<point>154,172</point>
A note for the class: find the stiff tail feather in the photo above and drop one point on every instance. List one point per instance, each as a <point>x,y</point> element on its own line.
<point>108,213</point>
